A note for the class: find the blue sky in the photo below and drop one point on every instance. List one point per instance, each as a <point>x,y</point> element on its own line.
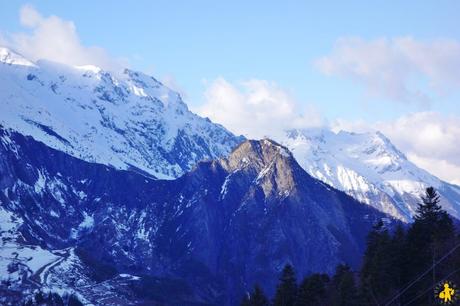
<point>352,64</point>
<point>193,41</point>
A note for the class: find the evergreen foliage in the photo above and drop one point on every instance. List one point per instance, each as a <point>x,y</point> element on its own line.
<point>313,290</point>
<point>344,289</point>
<point>256,298</point>
<point>286,292</point>
<point>395,261</point>
<point>52,299</point>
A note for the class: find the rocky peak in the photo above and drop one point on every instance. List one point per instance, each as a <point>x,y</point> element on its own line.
<point>258,153</point>
<point>218,229</point>
<point>267,163</point>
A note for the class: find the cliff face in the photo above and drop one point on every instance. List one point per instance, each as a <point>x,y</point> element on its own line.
<point>207,236</point>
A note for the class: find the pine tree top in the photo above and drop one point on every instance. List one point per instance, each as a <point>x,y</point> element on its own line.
<point>429,209</point>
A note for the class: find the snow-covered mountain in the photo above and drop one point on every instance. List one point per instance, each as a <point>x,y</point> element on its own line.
<point>131,121</point>
<point>127,120</point>
<point>116,237</point>
<point>84,207</point>
<point>370,168</point>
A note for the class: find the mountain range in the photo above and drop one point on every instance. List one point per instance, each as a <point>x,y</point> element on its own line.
<point>370,168</point>
<point>206,237</point>
<point>110,188</point>
<point>127,120</point>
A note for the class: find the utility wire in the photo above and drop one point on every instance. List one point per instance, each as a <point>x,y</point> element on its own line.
<point>422,275</point>
<point>431,287</point>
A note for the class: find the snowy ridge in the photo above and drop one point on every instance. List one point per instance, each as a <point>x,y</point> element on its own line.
<point>101,231</point>
<point>370,168</point>
<point>11,58</point>
<point>127,120</point>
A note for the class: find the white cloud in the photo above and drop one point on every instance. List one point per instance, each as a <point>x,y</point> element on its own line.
<point>393,68</point>
<point>259,108</point>
<point>29,17</point>
<point>441,168</point>
<point>429,139</point>
<point>429,133</point>
<point>171,82</point>
<point>255,108</point>
<point>55,39</point>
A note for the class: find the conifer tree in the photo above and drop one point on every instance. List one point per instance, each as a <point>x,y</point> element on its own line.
<point>246,301</point>
<point>345,292</point>
<point>73,301</point>
<point>429,237</point>
<point>286,291</point>
<point>376,272</point>
<point>400,260</point>
<point>432,217</point>
<point>313,291</point>
<point>256,298</point>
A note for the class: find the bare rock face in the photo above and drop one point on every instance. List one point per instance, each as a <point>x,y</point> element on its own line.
<point>268,160</point>
<point>205,237</point>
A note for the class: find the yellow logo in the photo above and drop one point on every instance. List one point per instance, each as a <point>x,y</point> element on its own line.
<point>446,293</point>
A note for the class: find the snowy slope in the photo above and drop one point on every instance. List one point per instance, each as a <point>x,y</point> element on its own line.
<point>19,260</point>
<point>370,168</point>
<point>126,119</point>
<point>202,239</point>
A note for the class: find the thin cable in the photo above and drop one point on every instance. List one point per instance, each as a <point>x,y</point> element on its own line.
<point>430,288</point>
<point>422,275</point>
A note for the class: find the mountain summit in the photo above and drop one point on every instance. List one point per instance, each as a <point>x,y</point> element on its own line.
<point>205,237</point>
<point>370,168</point>
<point>128,120</point>
<point>111,188</point>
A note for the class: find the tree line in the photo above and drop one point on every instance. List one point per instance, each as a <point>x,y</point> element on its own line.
<point>407,265</point>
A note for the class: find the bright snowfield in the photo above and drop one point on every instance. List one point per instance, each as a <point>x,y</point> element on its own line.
<point>127,120</point>
<point>23,263</point>
<point>370,168</point>
<point>17,260</point>
<point>130,120</point>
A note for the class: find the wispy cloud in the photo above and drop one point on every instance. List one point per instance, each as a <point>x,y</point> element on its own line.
<point>55,39</point>
<point>255,108</point>
<point>392,68</point>
<point>429,139</point>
